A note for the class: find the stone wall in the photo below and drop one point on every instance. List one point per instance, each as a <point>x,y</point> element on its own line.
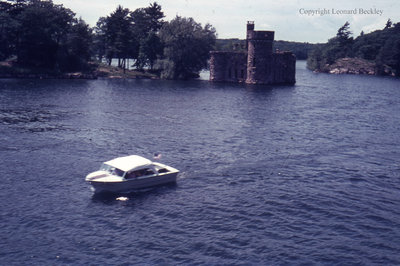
<point>284,68</point>
<point>259,59</point>
<point>277,68</point>
<point>228,66</point>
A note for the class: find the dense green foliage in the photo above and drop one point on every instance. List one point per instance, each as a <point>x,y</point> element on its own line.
<point>187,46</point>
<point>39,34</point>
<point>178,49</point>
<point>300,49</point>
<point>42,34</point>
<point>337,47</point>
<point>124,34</point>
<point>381,47</point>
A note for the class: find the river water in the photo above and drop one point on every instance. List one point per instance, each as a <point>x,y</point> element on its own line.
<point>304,174</point>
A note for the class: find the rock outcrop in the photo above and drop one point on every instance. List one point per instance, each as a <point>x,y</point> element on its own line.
<point>357,66</point>
<point>352,66</point>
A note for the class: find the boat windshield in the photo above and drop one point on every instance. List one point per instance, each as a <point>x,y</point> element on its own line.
<point>112,170</point>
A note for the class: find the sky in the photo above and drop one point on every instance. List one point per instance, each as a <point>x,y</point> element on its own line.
<point>292,20</point>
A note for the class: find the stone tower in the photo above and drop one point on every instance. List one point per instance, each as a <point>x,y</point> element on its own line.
<point>250,28</point>
<point>258,65</point>
<point>259,55</point>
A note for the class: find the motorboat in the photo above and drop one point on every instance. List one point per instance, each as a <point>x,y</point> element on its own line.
<point>129,173</point>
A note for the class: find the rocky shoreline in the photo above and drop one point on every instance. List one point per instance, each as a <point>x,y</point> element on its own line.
<point>356,66</point>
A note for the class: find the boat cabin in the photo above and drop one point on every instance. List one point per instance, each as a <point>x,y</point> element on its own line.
<point>134,166</point>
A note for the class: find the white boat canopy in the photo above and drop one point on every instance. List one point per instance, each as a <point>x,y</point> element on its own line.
<point>128,163</point>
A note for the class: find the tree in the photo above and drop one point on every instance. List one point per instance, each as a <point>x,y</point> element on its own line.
<point>119,38</point>
<point>140,22</point>
<point>44,35</point>
<point>344,31</point>
<point>389,54</point>
<point>77,47</point>
<point>388,24</point>
<point>150,49</point>
<point>125,34</point>
<point>146,20</point>
<point>43,27</point>
<point>99,39</point>
<point>315,59</point>
<point>344,38</point>
<point>155,16</point>
<point>8,30</point>
<point>146,24</point>
<point>367,46</point>
<point>337,47</point>
<point>381,47</point>
<point>186,47</point>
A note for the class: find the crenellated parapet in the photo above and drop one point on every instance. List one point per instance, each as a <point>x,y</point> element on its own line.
<point>261,35</point>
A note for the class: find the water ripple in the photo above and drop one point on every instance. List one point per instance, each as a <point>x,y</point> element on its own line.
<point>269,175</point>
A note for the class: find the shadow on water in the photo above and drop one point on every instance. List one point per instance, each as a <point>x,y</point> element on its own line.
<point>110,198</point>
<point>248,87</point>
<point>260,88</point>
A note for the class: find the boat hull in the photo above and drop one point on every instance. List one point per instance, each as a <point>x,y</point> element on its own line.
<point>133,184</point>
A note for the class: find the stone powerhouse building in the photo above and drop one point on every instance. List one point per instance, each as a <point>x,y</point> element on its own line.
<point>259,65</point>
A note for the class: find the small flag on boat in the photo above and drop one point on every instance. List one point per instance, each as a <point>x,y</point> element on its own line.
<point>157,156</point>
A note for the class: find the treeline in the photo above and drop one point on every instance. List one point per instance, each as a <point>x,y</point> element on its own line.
<point>381,47</point>
<point>300,49</point>
<point>42,34</point>
<point>230,45</point>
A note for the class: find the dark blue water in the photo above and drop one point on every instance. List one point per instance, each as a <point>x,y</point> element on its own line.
<point>305,174</point>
